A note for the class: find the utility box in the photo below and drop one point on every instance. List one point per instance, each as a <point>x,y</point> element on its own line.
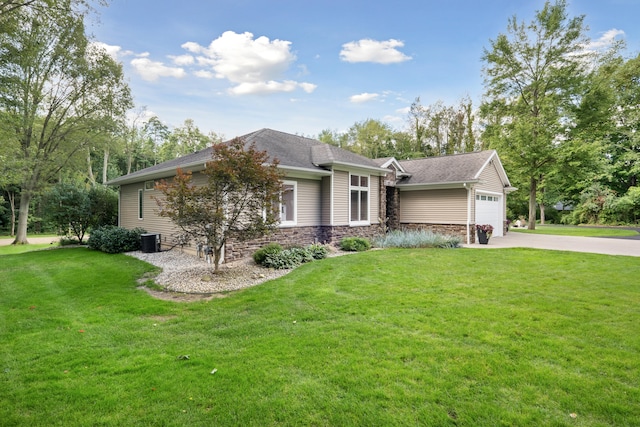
<point>150,243</point>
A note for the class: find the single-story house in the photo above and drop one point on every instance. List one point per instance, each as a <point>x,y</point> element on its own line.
<point>330,193</point>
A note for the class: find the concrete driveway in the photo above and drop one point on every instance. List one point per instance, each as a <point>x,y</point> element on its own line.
<point>598,245</point>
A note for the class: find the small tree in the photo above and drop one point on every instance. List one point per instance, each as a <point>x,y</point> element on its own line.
<point>239,200</point>
<point>69,208</point>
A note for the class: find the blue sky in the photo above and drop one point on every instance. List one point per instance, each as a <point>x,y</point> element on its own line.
<point>236,66</point>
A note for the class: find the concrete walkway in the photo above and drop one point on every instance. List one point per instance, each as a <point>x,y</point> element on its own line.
<point>598,245</point>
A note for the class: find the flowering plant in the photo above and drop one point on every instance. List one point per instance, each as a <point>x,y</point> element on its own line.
<point>487,228</point>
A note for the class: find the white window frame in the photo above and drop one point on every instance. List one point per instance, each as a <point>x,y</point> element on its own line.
<point>359,188</point>
<point>149,185</point>
<point>140,204</point>
<point>293,222</point>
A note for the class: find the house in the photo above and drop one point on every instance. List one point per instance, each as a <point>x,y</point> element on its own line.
<point>448,194</point>
<point>330,193</point>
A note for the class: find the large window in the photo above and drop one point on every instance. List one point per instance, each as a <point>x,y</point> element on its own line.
<point>359,190</point>
<point>288,203</point>
<point>140,204</point>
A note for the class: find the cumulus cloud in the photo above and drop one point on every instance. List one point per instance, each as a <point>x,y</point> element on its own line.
<point>364,97</point>
<point>182,60</point>
<point>606,40</point>
<point>113,51</point>
<point>204,74</point>
<point>152,70</point>
<point>367,50</point>
<point>254,66</point>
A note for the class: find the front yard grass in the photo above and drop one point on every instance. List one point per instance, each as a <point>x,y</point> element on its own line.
<point>390,337</point>
<point>569,230</point>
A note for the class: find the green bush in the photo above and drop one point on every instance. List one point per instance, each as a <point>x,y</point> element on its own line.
<point>113,240</point>
<point>261,254</point>
<point>318,251</point>
<point>355,244</point>
<point>287,258</point>
<point>416,239</point>
<point>279,258</point>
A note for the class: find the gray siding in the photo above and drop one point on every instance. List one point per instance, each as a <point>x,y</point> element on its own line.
<point>340,198</point>
<point>152,222</point>
<point>434,206</point>
<point>374,199</point>
<point>309,202</point>
<point>490,180</point>
<point>326,200</point>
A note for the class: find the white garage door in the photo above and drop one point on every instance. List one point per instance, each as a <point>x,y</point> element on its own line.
<point>489,211</point>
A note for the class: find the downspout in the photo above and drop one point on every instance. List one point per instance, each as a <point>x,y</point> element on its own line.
<point>468,213</point>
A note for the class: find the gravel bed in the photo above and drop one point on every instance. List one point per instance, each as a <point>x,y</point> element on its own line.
<point>183,272</point>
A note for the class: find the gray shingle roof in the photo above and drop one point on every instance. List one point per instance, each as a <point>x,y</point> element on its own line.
<point>292,151</point>
<point>445,169</point>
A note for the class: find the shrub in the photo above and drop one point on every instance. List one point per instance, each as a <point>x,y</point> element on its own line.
<point>355,244</point>
<point>113,240</point>
<point>261,254</point>
<point>287,258</point>
<point>293,257</point>
<point>318,251</point>
<point>416,239</point>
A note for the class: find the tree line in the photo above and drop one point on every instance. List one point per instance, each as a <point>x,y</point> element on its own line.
<point>565,119</point>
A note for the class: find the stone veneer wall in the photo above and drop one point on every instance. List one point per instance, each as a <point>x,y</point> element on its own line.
<point>298,236</point>
<point>459,230</point>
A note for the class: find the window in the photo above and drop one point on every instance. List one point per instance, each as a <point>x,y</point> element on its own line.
<point>140,204</point>
<point>359,199</point>
<point>149,185</point>
<point>288,203</point>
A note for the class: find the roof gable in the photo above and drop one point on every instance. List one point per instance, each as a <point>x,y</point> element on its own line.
<point>453,169</point>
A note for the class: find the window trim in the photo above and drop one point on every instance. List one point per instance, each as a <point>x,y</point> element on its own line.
<point>293,222</point>
<point>360,189</point>
<point>149,185</point>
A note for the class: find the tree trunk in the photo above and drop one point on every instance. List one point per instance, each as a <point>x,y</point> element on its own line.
<point>217,254</point>
<point>105,164</point>
<point>532,204</point>
<point>23,216</point>
<point>541,204</point>
<point>92,178</point>
<point>12,204</point>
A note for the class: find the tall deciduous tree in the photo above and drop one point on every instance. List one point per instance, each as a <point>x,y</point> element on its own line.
<point>239,201</point>
<point>531,75</point>
<point>53,86</point>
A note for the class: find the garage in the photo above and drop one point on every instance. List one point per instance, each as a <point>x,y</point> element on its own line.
<point>489,211</point>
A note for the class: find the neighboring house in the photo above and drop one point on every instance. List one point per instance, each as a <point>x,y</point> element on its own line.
<point>330,193</point>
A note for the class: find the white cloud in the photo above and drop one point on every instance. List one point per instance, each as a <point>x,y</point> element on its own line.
<point>151,70</point>
<point>404,110</point>
<point>182,60</point>
<point>113,51</point>
<point>204,74</point>
<point>265,88</point>
<point>254,66</point>
<point>606,40</point>
<point>367,50</point>
<point>363,97</point>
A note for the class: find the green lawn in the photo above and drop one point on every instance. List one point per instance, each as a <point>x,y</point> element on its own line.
<point>568,230</point>
<point>18,249</point>
<point>384,338</point>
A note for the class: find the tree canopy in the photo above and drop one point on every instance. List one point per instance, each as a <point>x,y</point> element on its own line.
<point>532,75</point>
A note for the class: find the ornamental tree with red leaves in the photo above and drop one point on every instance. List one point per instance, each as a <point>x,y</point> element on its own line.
<point>238,202</point>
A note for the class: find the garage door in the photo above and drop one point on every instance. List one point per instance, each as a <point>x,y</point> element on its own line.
<point>489,211</point>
